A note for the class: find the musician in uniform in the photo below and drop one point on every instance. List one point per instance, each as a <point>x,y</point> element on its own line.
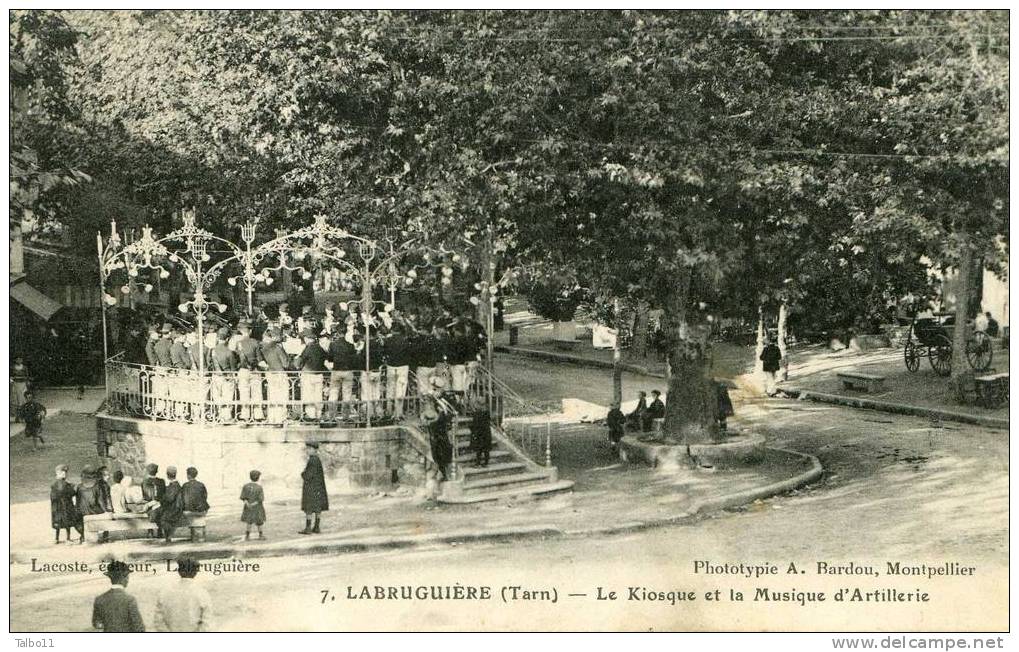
<point>311,363</point>
<point>249,380</point>
<point>181,387</point>
<point>161,384</point>
<point>224,364</point>
<point>345,361</point>
<point>398,357</point>
<point>277,385</point>
<point>426,356</point>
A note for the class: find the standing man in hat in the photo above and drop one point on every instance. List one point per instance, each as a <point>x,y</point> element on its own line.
<point>311,361</point>
<point>171,507</point>
<point>654,411</point>
<point>181,384</point>
<point>771,356</point>
<point>277,385</point>
<point>185,606</point>
<point>249,380</point>
<point>314,499</point>
<point>224,363</point>
<point>371,380</point>
<point>398,356</point>
<point>150,355</point>
<point>426,357</point>
<point>345,361</point>
<point>117,610</point>
<point>63,514</point>
<point>150,342</point>
<point>161,374</point>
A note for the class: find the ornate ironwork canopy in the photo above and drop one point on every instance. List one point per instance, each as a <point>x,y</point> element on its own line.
<point>364,264</point>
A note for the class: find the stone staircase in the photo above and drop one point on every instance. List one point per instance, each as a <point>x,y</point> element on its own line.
<point>510,474</point>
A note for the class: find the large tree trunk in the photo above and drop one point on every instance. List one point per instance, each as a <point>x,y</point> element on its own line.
<point>783,315</point>
<point>962,297</point>
<point>617,369</point>
<point>485,313</point>
<point>638,344</point>
<point>759,349</point>
<point>691,406</point>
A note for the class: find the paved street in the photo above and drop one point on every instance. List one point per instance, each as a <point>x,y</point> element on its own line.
<point>896,489</point>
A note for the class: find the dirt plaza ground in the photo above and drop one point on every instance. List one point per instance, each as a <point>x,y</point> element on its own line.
<point>894,488</point>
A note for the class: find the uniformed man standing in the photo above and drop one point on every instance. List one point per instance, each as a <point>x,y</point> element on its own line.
<point>161,383</point>
<point>345,361</point>
<point>249,380</point>
<point>276,362</point>
<point>311,362</point>
<point>371,380</point>
<point>443,351</point>
<point>224,366</point>
<point>181,381</point>
<point>398,359</point>
<point>425,357</point>
<point>153,337</point>
<point>148,393</point>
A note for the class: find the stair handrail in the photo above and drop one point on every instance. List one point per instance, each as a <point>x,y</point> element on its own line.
<point>498,389</point>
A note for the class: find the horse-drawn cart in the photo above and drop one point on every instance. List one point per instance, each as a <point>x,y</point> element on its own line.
<point>930,337</point>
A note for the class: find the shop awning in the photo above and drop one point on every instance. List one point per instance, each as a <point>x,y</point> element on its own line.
<point>34,300</point>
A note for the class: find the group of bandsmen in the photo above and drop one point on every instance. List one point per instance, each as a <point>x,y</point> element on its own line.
<point>312,367</point>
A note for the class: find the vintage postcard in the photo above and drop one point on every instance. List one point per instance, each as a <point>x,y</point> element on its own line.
<point>512,321</point>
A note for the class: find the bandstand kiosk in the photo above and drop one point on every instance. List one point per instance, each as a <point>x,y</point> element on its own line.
<point>226,423</point>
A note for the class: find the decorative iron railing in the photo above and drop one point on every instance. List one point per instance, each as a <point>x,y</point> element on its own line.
<point>274,398</point>
<point>340,398</point>
<point>525,424</point>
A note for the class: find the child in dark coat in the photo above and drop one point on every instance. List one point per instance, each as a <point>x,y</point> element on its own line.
<point>32,413</point>
<point>481,432</point>
<point>254,510</point>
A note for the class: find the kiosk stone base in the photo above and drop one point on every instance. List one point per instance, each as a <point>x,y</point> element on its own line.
<point>354,459</point>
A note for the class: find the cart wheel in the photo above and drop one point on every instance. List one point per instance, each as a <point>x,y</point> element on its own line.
<point>940,357</point>
<point>912,356</point>
<point>979,351</point>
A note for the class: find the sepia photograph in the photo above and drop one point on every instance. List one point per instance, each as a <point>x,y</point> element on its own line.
<point>479,320</point>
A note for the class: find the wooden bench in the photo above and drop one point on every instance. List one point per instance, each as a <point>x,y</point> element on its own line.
<point>99,526</point>
<point>992,390</point>
<point>866,382</point>
<point>195,522</point>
